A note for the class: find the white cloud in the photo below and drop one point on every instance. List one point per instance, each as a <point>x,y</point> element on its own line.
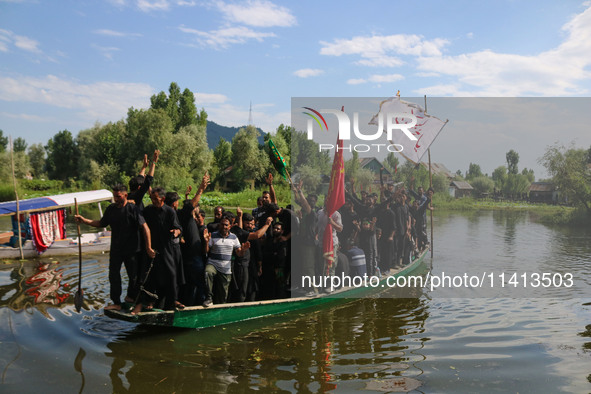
<point>225,37</point>
<point>153,5</point>
<point>357,81</point>
<point>377,78</point>
<point>29,117</point>
<point>103,101</point>
<point>114,33</point>
<point>27,44</point>
<point>377,51</point>
<point>107,52</point>
<point>257,13</point>
<point>209,98</point>
<point>555,72</point>
<point>558,71</point>
<point>385,78</point>
<point>308,72</point>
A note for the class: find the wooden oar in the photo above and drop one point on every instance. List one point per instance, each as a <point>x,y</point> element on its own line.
<point>78,296</point>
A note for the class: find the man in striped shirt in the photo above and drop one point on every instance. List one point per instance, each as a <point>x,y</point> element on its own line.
<point>357,264</point>
<point>220,246</point>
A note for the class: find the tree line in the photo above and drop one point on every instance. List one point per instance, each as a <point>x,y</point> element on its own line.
<point>107,154</point>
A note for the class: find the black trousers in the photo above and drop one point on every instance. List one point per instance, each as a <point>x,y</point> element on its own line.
<point>131,267</point>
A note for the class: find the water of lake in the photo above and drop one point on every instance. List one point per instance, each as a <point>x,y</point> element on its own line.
<point>511,338</point>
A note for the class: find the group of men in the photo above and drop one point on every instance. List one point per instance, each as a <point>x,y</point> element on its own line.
<point>368,237</point>
<point>173,258</point>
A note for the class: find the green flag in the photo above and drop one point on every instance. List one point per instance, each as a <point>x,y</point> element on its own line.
<point>277,160</point>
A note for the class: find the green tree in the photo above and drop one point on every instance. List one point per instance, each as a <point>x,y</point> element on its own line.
<point>286,133</point>
<point>529,174</point>
<point>185,158</point>
<point>364,180</point>
<point>516,185</point>
<point>440,183</point>
<point>391,164</point>
<point>101,152</point>
<point>19,145</point>
<point>352,166</point>
<point>146,131</point>
<point>311,178</point>
<point>415,175</point>
<point>499,177</point>
<point>306,152</point>
<point>62,156</point>
<point>3,141</point>
<point>180,107</point>
<point>248,160</point>
<point>512,161</point>
<point>474,171</point>
<point>37,160</point>
<point>570,172</point>
<point>482,184</point>
<point>222,159</point>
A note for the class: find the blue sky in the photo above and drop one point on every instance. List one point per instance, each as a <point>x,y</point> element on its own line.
<point>68,64</point>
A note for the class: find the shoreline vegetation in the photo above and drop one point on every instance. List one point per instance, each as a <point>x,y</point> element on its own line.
<point>545,213</point>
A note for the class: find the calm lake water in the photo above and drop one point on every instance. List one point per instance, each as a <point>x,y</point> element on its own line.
<point>484,338</point>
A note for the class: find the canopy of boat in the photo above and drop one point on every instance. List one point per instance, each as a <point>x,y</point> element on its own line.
<point>39,204</point>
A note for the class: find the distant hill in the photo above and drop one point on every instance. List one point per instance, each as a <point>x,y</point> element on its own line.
<point>215,131</point>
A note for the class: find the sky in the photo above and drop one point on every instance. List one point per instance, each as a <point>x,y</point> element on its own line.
<point>69,64</point>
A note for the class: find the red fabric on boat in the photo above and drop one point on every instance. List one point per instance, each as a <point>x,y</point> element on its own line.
<point>47,227</point>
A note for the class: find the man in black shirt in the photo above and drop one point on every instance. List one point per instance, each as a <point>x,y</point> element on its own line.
<point>164,228</point>
<point>243,266</point>
<point>126,221</point>
<point>192,248</point>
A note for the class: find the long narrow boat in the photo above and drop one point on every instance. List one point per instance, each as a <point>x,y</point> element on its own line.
<point>217,315</point>
<point>91,242</point>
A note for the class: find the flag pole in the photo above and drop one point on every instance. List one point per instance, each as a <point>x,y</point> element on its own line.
<point>430,186</point>
<point>18,219</point>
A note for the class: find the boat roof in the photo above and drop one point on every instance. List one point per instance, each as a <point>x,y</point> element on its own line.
<point>46,203</point>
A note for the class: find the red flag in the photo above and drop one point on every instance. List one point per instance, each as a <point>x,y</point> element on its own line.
<point>335,198</point>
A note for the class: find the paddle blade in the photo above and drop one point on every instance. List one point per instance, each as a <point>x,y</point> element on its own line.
<point>78,300</point>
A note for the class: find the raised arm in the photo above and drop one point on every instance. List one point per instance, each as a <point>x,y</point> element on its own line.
<point>239,216</point>
<point>202,187</point>
<point>154,161</point>
<point>144,166</point>
<point>261,231</point>
<point>301,199</point>
<point>272,195</point>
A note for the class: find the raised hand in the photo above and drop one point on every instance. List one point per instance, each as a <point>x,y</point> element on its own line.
<point>269,179</point>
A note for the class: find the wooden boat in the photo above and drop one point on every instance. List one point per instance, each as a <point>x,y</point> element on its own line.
<point>217,315</point>
<point>91,242</point>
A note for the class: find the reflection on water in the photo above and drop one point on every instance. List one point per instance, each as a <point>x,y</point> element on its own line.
<point>437,342</point>
<point>340,348</point>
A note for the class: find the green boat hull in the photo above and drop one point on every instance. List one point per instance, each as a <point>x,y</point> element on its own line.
<point>217,315</point>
